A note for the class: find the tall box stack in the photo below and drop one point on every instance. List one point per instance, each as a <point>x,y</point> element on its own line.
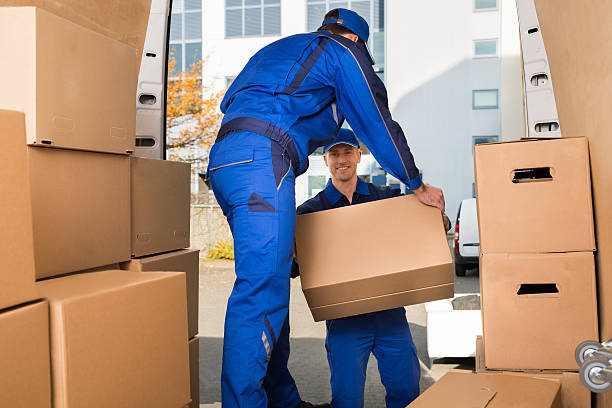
<point>537,263</point>
<point>67,118</point>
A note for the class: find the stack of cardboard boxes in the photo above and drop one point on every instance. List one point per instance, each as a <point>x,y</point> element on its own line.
<point>76,329</point>
<point>537,270</point>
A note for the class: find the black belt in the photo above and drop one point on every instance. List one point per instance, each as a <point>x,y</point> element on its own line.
<point>263,128</point>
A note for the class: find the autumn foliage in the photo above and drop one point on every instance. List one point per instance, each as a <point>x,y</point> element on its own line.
<point>193,117</point>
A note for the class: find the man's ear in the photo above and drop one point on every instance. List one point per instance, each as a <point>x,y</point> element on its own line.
<point>325,159</point>
<point>352,37</point>
<point>358,155</point>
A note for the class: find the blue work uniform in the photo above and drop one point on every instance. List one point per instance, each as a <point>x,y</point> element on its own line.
<point>386,334</point>
<point>290,98</point>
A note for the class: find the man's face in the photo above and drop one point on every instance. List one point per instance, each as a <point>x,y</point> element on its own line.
<point>342,160</point>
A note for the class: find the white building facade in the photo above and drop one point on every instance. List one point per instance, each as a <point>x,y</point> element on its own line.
<point>451,67</point>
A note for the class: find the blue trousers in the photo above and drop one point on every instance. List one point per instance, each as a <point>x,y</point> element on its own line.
<point>349,343</point>
<point>254,184</point>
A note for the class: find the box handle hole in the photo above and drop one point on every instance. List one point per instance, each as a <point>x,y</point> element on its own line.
<point>532,174</point>
<point>147,99</point>
<point>537,288</point>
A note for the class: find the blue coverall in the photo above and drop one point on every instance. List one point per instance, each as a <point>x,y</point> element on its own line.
<point>350,340</point>
<point>290,98</point>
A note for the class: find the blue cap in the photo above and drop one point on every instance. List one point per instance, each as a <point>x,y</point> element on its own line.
<point>352,21</point>
<point>345,136</point>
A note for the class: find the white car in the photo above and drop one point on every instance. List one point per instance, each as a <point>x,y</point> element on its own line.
<point>467,241</point>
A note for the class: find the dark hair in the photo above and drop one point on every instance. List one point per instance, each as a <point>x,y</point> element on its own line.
<point>336,28</point>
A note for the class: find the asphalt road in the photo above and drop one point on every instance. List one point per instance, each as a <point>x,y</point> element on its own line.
<point>308,363</point>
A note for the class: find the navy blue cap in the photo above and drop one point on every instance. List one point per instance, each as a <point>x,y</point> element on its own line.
<point>345,136</point>
<point>352,21</point>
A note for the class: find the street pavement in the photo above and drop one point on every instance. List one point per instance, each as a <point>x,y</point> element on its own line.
<point>308,362</point>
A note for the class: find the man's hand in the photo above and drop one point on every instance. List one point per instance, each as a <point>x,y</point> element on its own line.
<point>430,195</point>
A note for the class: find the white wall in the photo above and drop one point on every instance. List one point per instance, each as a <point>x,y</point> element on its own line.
<point>512,119</point>
<point>430,75</point>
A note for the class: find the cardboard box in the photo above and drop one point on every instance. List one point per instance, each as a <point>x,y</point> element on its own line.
<point>160,205</point>
<point>118,339</point>
<point>124,21</point>
<point>603,400</point>
<point>194,371</point>
<point>355,274</point>
<point>24,357</point>
<point>537,308</point>
<point>464,389</point>
<point>80,209</point>
<point>551,212</point>
<point>573,393</point>
<point>184,260</point>
<point>16,240</point>
<point>578,50</point>
<point>76,87</point>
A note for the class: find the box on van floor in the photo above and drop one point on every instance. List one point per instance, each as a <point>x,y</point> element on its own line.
<point>118,339</point>
<point>537,308</point>
<point>464,389</point>
<point>76,87</point>
<point>24,356</point>
<point>184,260</point>
<point>534,196</point>
<point>373,256</point>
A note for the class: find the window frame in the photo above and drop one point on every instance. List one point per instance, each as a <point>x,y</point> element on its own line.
<point>484,10</point>
<point>484,107</point>
<point>475,56</point>
<point>262,6</point>
<point>474,137</point>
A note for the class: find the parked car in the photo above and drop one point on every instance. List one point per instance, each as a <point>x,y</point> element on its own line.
<point>467,241</point>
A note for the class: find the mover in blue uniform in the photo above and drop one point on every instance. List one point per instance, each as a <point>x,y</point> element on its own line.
<point>386,334</point>
<point>291,97</point>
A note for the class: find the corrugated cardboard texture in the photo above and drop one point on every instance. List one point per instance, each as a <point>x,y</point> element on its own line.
<point>468,390</point>
<point>603,400</point>
<point>124,21</point>
<point>534,216</point>
<point>160,205</point>
<point>358,266</point>
<point>77,87</point>
<point>80,209</point>
<point>194,371</point>
<point>118,339</point>
<point>576,35</point>
<point>479,360</point>
<point>24,357</point>
<point>16,240</point>
<point>537,331</point>
<point>184,260</point>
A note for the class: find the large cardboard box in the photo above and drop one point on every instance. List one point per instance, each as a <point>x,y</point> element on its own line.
<point>194,371</point>
<point>576,35</point>
<point>537,308</point>
<point>534,196</point>
<point>573,393</point>
<point>357,274</point>
<point>464,389</point>
<point>124,21</point>
<point>80,209</point>
<point>160,205</point>
<point>16,240</point>
<point>77,87</point>
<point>24,357</point>
<point>184,260</point>
<point>118,339</point>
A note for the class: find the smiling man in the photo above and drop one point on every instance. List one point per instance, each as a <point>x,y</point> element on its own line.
<point>386,334</point>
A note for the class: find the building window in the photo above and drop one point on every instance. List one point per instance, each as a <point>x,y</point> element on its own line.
<point>476,140</point>
<point>485,48</point>
<point>485,99</point>
<point>186,34</point>
<point>485,5</point>
<point>252,18</point>
<point>373,11</point>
